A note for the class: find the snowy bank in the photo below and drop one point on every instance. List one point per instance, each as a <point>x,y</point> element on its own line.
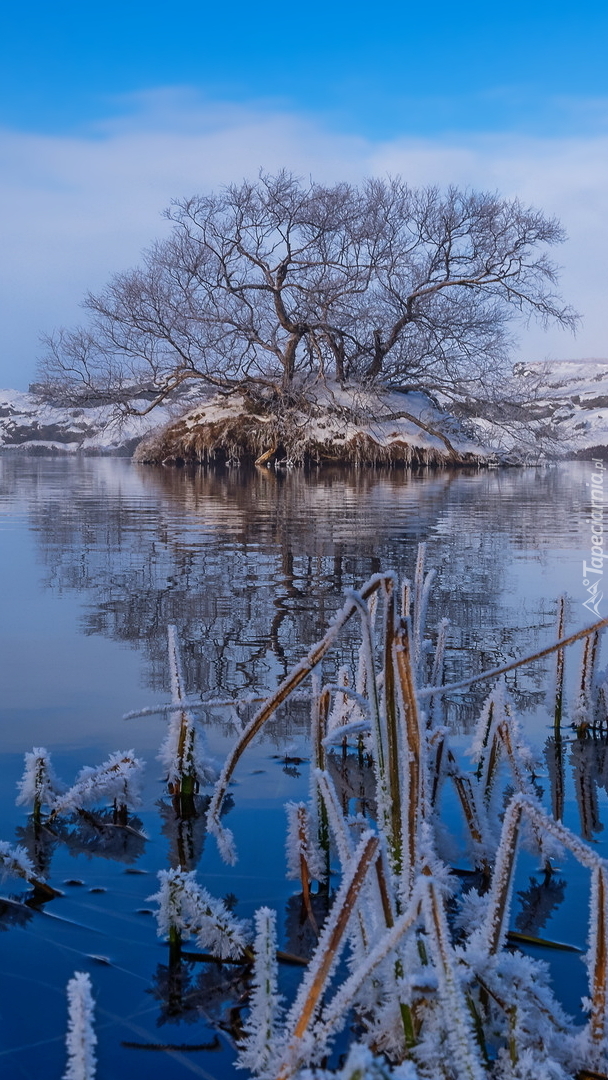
<point>574,399</point>
<point>329,423</point>
<point>566,417</point>
<point>32,426</point>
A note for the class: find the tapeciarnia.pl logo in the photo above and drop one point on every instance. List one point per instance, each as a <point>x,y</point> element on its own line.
<point>593,572</point>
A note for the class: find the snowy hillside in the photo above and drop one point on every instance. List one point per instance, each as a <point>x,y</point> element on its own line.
<point>569,415</point>
<point>575,396</point>
<point>29,425</point>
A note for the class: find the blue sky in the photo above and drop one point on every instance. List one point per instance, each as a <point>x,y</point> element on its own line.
<point>378,71</point>
<point>107,111</point>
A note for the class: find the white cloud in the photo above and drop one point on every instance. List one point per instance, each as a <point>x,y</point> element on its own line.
<point>75,208</point>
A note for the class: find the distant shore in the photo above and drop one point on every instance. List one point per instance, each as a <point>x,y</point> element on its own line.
<point>338,425</point>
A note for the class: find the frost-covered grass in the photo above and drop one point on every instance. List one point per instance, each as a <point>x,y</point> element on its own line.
<point>413,975</point>
<point>81,1039</point>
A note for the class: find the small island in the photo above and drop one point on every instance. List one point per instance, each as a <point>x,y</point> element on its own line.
<point>567,417</point>
<point>290,323</point>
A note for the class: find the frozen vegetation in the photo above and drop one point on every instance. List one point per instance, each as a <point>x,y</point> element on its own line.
<point>414,973</point>
<point>81,1038</point>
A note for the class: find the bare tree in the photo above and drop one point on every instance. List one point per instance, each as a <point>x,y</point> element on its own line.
<point>266,283</point>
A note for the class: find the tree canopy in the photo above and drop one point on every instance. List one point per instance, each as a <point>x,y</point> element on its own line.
<point>265,283</point>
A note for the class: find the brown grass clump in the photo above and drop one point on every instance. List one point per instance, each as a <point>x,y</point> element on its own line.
<point>246,437</point>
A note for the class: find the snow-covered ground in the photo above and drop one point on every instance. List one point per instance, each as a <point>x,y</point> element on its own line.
<point>337,423</point>
<point>570,413</point>
<point>29,425</point>
<point>576,392</point>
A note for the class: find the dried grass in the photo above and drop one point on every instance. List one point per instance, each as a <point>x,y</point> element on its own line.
<point>248,438</point>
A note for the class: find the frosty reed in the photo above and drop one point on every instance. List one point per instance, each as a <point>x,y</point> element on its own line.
<point>414,974</point>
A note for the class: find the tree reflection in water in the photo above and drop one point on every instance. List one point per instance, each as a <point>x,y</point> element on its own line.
<point>251,564</point>
<point>589,759</point>
<point>251,567</point>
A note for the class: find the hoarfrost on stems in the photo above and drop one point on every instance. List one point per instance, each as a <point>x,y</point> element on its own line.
<point>80,1039</point>
<point>586,703</point>
<point>186,908</point>
<point>39,785</point>
<point>117,778</point>
<point>219,931</point>
<point>177,899</point>
<point>422,592</point>
<point>377,718</point>
<point>182,752</point>
<point>15,862</point>
<point>259,1048</point>
<point>437,671</point>
<point>335,816</point>
<point>439,656</point>
<point>340,713</point>
<point>300,1020</point>
<point>336,1013</point>
<point>457,1018</point>
<point>318,832</point>
<point>362,929</point>
<point>300,843</point>
<point>485,729</point>
<point>349,719</point>
<point>362,1064</point>
<point>597,962</point>
<point>224,839</point>
<point>491,933</point>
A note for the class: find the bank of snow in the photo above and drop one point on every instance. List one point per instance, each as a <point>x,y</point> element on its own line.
<point>32,426</point>
<point>329,424</point>
<point>568,417</point>
<point>575,400</point>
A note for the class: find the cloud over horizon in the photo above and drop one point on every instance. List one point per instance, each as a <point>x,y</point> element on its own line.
<point>74,209</point>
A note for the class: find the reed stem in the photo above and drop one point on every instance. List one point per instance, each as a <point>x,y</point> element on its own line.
<point>559,668</point>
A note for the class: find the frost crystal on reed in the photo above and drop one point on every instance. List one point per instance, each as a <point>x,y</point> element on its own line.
<point>340,713</point>
<point>188,910</point>
<point>118,778</point>
<point>260,1044</point>
<point>38,786</point>
<point>300,844</point>
<point>15,862</point>
<point>177,900</point>
<point>586,703</point>
<point>361,1064</point>
<point>80,1039</point>
<point>182,752</point>
<point>597,960</point>
<point>457,1019</point>
<point>218,930</point>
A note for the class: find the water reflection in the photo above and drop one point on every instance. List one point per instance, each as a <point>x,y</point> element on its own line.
<point>538,902</point>
<point>251,565</point>
<point>589,758</point>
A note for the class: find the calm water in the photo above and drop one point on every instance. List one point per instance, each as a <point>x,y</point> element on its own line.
<point>98,556</point>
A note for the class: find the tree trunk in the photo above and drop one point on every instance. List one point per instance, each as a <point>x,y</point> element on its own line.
<point>375,368</point>
<point>289,359</point>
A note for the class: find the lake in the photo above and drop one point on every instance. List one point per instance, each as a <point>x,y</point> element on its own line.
<point>98,557</point>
